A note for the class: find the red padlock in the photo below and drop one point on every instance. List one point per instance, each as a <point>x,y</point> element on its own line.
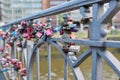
<point>19,64</point>
<point>23,23</point>
<point>14,61</point>
<point>23,72</point>
<point>29,30</point>
<point>61,32</point>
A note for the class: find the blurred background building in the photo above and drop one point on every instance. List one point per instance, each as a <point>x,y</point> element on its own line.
<point>0,12</point>
<point>50,3</point>
<point>15,9</point>
<point>116,21</point>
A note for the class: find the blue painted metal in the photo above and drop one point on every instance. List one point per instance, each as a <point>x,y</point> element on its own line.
<point>38,64</point>
<point>96,40</point>
<point>76,71</point>
<point>111,60</point>
<point>49,61</point>
<point>32,59</point>
<point>65,70</point>
<point>82,58</point>
<point>68,6</point>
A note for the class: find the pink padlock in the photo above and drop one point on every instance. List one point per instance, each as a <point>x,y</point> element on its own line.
<point>25,35</point>
<point>1,49</point>
<point>38,34</point>
<point>14,61</point>
<point>49,32</point>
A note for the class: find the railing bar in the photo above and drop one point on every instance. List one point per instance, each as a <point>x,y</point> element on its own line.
<point>49,61</point>
<point>107,43</point>
<point>111,60</point>
<point>65,70</point>
<point>38,64</point>
<point>68,6</point>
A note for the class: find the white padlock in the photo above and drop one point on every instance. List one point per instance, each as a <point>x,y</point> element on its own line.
<point>74,48</point>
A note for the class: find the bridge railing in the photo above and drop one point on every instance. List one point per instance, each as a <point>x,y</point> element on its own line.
<point>97,38</point>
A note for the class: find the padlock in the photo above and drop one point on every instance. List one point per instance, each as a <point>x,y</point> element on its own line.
<point>29,37</point>
<point>39,29</point>
<point>72,25</point>
<point>61,32</point>
<point>75,29</point>
<point>39,35</point>
<point>49,32</point>
<point>19,49</point>
<point>19,44</point>
<point>6,53</point>
<point>40,25</point>
<point>19,64</point>
<point>23,23</point>
<point>7,46</point>
<point>25,35</point>
<point>1,49</point>
<point>3,60</point>
<point>29,30</point>
<point>10,42</point>
<point>23,72</point>
<point>3,37</point>
<point>74,48</point>
<point>4,69</point>
<point>57,29</point>
<point>13,33</point>
<point>65,49</point>
<point>14,61</point>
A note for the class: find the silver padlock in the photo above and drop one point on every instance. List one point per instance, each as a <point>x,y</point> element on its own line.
<point>74,48</point>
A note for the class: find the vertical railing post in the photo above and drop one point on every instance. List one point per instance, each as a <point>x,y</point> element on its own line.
<point>65,69</point>
<point>95,35</point>
<point>38,64</point>
<point>49,61</point>
<point>27,65</point>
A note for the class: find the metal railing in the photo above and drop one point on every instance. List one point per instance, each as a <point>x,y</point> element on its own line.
<point>97,42</point>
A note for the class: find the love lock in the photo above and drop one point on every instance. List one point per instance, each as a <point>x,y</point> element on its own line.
<point>74,48</point>
<point>21,29</point>
<point>3,36</point>
<point>73,28</point>
<point>14,61</point>
<point>22,72</point>
<point>61,32</point>
<point>25,35</point>
<point>13,33</point>
<point>49,32</point>
<point>19,44</point>
<point>10,42</point>
<point>38,34</point>
<point>24,24</point>
<point>1,49</point>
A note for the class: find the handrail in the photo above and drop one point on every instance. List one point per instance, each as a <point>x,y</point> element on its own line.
<point>68,6</point>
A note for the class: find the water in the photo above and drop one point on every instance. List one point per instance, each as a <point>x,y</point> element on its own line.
<point>57,69</point>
